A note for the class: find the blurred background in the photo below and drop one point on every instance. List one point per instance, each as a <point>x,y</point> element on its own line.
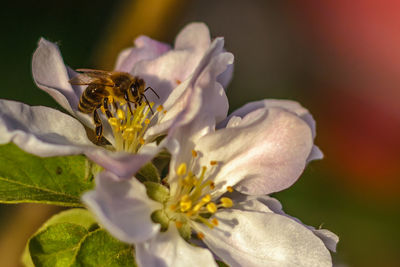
<point>338,58</point>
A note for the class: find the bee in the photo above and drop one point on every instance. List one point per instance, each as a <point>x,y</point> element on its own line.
<point>102,86</point>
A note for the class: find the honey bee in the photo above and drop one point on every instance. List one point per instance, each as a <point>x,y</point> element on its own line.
<point>102,86</point>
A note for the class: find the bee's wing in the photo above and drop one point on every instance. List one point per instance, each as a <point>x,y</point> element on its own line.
<point>89,76</point>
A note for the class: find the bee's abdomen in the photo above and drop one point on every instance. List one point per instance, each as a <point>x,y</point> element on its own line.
<point>92,98</point>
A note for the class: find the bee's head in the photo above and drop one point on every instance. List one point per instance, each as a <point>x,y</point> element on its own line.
<point>137,87</point>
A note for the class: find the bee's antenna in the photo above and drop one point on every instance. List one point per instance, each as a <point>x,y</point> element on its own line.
<point>152,91</point>
<point>147,102</point>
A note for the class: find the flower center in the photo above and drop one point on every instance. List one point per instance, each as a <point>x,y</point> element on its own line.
<point>129,128</point>
<point>193,198</point>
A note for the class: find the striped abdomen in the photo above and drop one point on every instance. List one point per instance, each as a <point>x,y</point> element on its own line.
<point>92,98</point>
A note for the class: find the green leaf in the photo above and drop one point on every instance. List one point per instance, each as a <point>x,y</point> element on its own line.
<point>80,217</point>
<point>148,173</point>
<point>56,180</point>
<point>101,249</point>
<point>70,238</point>
<point>57,244</point>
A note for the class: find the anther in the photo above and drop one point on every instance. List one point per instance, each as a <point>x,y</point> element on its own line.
<point>181,169</point>
<point>214,221</point>
<point>230,189</point>
<point>160,108</point>
<point>226,202</point>
<point>142,141</point>
<point>194,153</point>
<point>178,224</point>
<point>213,162</point>
<point>147,121</point>
<point>120,114</point>
<point>211,207</point>
<point>212,185</point>
<point>200,235</point>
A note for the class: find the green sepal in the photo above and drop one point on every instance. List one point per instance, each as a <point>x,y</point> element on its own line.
<point>148,173</point>
<point>56,180</point>
<point>157,191</point>
<point>160,217</point>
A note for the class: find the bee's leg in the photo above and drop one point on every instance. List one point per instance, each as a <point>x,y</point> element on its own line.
<point>99,126</point>
<point>126,96</point>
<point>105,106</point>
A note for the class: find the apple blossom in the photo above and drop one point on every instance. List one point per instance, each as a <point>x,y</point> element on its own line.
<point>131,138</point>
<point>214,199</point>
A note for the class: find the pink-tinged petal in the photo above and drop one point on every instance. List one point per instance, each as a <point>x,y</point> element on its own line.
<point>265,152</point>
<point>168,249</point>
<point>166,72</point>
<point>145,49</point>
<point>123,208</point>
<point>225,78</point>
<point>41,131</point>
<point>200,95</point>
<point>244,238</point>
<point>195,37</point>
<point>123,164</point>
<point>289,105</point>
<point>330,239</point>
<point>52,76</point>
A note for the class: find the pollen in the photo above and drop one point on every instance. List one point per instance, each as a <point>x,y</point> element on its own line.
<point>147,121</point>
<point>194,153</point>
<point>230,189</point>
<point>160,108</point>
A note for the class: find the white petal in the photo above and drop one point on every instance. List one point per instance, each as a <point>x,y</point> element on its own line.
<point>330,239</point>
<point>266,152</point>
<point>145,49</point>
<point>41,131</point>
<point>289,105</point>
<point>123,208</point>
<point>51,75</point>
<point>245,238</point>
<point>124,165</point>
<point>170,250</point>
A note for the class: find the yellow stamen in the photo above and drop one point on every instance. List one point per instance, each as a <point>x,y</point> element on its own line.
<point>226,202</point>
<point>178,224</point>
<point>200,235</point>
<point>213,162</point>
<point>120,114</point>
<point>142,141</point>
<point>185,203</point>
<point>181,169</point>
<point>230,189</point>
<point>211,207</point>
<point>103,109</point>
<point>160,108</point>
<point>212,185</point>
<point>194,153</point>
<point>147,121</point>
<point>214,221</point>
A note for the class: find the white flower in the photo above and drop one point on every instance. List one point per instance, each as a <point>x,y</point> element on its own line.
<point>194,62</point>
<point>260,149</point>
